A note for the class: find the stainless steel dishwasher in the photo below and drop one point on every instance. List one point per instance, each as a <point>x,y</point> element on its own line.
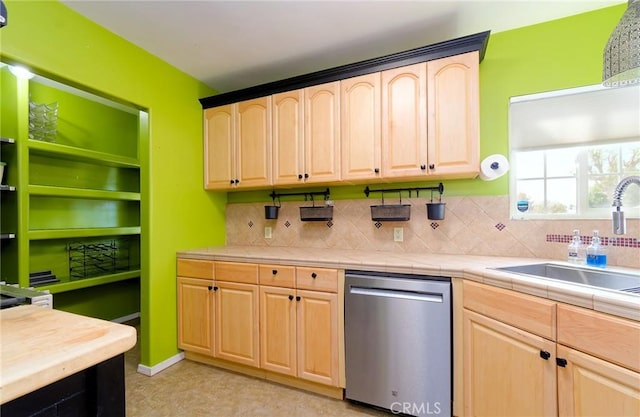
<point>398,342</point>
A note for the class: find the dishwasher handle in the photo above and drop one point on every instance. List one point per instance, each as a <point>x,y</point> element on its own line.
<point>402,294</point>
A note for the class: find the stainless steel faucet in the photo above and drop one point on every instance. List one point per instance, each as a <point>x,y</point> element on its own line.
<point>619,224</point>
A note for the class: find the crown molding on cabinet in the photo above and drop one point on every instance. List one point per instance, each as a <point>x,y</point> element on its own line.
<point>476,42</point>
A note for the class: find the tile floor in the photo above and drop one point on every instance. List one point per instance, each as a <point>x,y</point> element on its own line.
<point>191,389</point>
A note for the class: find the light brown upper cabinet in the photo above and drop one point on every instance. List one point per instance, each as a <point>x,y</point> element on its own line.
<point>361,127</point>
<point>322,133</point>
<point>306,136</point>
<point>238,145</point>
<point>412,122</point>
<point>418,121</point>
<point>404,122</point>
<point>453,103</point>
<point>219,147</point>
<point>288,137</point>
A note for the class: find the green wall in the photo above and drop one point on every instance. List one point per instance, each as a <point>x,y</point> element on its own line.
<point>177,213</point>
<point>552,55</point>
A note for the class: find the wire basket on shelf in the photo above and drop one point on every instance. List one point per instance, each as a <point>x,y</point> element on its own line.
<point>96,258</point>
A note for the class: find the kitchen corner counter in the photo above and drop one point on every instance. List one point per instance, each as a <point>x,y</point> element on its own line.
<point>471,267</point>
<point>41,346</point>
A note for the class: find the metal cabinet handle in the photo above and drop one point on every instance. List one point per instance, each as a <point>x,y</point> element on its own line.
<point>210,287</point>
<point>306,175</point>
<point>274,272</point>
<point>376,170</point>
<point>290,297</point>
<point>297,298</point>
<point>432,166</point>
<point>545,355</point>
<point>215,288</point>
<point>314,275</point>
<point>423,167</point>
<point>561,362</point>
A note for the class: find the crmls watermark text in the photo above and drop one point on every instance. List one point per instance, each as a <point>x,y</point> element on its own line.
<point>415,409</point>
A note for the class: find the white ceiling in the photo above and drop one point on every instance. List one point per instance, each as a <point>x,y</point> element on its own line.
<point>230,45</point>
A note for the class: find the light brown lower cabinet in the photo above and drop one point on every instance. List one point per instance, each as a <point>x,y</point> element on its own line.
<point>237,326</point>
<point>195,315</point>
<point>599,372</point>
<point>299,333</point>
<point>504,373</point>
<point>277,327</point>
<point>588,386</point>
<point>196,304</point>
<point>515,365</point>
<point>278,345</point>
<point>317,326</point>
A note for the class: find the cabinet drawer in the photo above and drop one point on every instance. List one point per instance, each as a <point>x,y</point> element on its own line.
<point>525,312</point>
<point>195,268</point>
<point>278,275</point>
<point>610,338</point>
<point>237,272</point>
<point>317,279</point>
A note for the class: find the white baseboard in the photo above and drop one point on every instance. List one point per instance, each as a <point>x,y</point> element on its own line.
<point>159,367</point>
<point>126,318</point>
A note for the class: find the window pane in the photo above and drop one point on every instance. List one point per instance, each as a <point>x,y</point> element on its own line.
<point>530,164</point>
<point>562,162</point>
<point>631,199</point>
<point>561,196</point>
<point>562,182</point>
<point>533,192</point>
<point>604,159</point>
<point>601,189</point>
<point>631,158</point>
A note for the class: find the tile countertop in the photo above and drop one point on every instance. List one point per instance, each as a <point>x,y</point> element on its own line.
<point>476,268</point>
<point>41,346</point>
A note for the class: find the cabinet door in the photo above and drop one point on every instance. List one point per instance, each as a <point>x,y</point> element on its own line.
<point>322,132</point>
<point>253,142</point>
<point>219,150</point>
<point>504,372</point>
<point>588,386</point>
<point>361,127</point>
<point>195,315</point>
<point>288,137</point>
<point>278,329</point>
<point>236,331</point>
<point>318,337</point>
<point>404,121</point>
<point>454,117</point>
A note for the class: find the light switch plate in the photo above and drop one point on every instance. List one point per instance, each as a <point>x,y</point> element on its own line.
<point>267,232</point>
<point>398,234</point>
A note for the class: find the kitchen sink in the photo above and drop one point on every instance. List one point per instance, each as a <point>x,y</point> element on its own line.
<point>612,280</point>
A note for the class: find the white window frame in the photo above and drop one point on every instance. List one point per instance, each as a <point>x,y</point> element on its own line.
<point>583,211</point>
<point>580,117</point>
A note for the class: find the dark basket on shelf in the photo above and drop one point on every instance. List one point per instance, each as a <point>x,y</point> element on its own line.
<point>96,258</point>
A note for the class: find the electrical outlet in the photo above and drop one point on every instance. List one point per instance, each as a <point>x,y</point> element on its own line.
<point>398,235</point>
<point>267,232</point>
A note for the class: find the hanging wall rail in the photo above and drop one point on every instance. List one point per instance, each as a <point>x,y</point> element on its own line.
<point>439,188</point>
<point>307,194</point>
